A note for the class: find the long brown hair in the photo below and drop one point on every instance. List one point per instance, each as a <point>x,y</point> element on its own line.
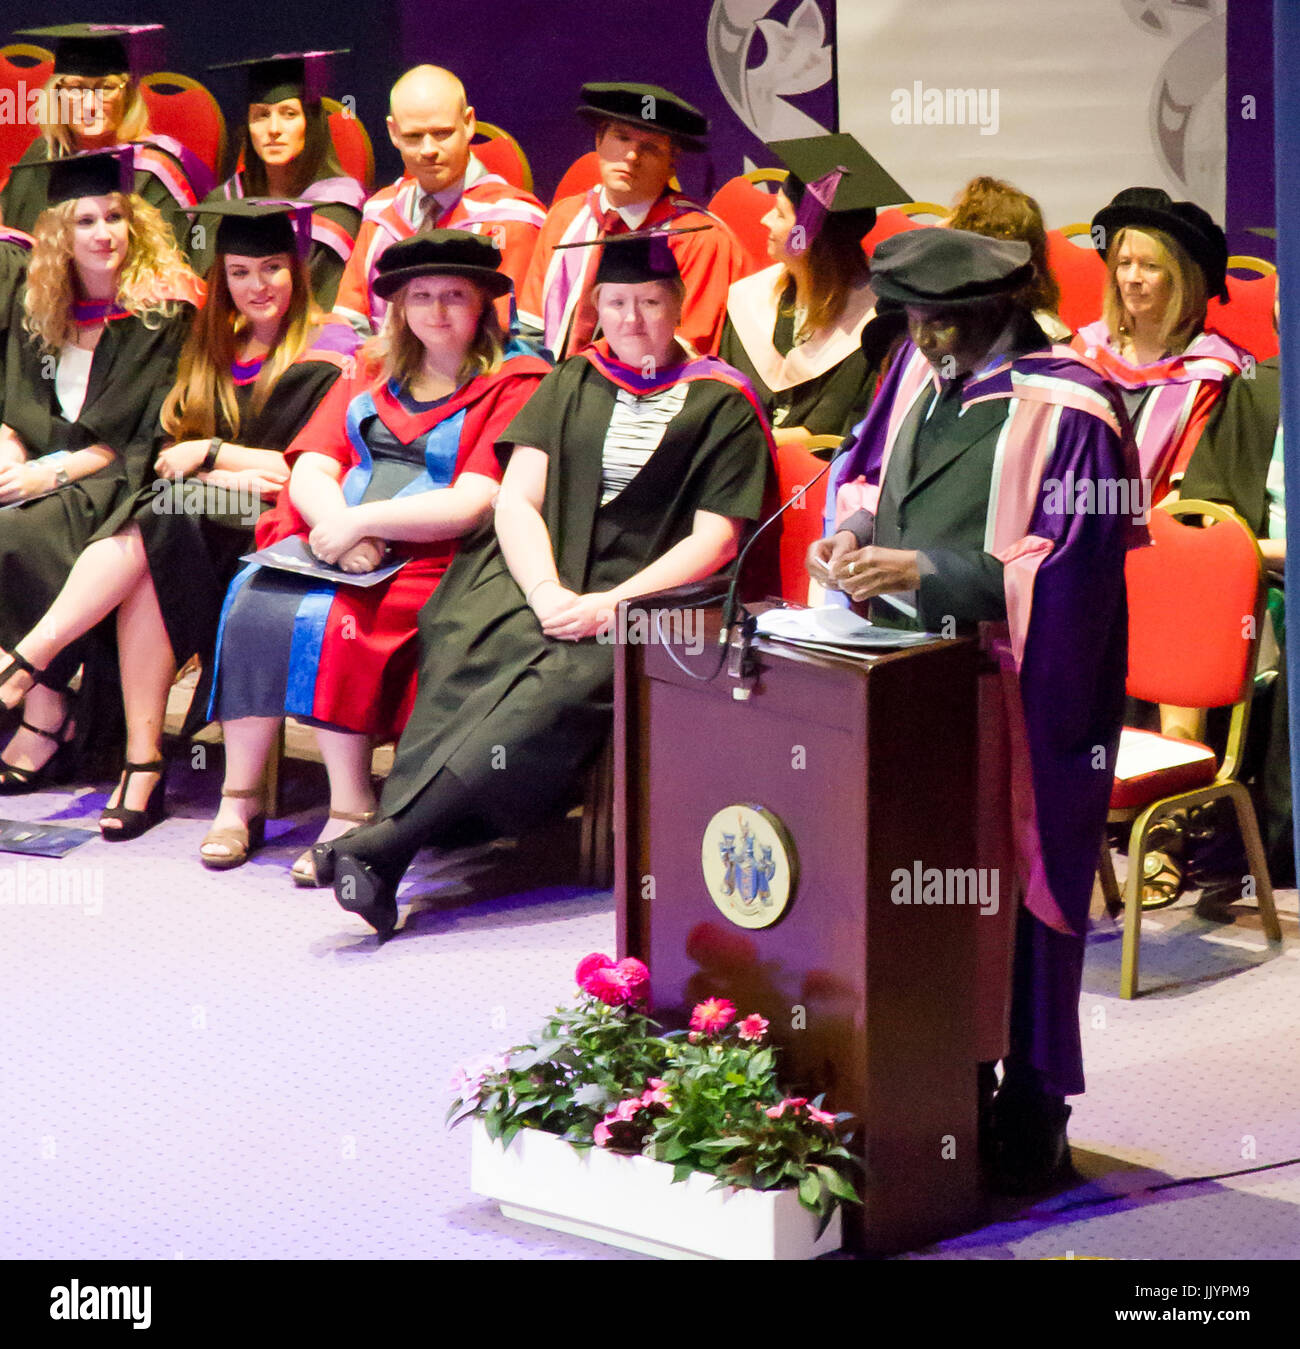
<point>398,353</point>
<point>1188,295</point>
<point>999,210</point>
<point>202,401</point>
<point>153,274</point>
<point>317,160</point>
<point>836,266</point>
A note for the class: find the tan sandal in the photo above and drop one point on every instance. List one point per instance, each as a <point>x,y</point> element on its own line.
<point>303,870</point>
<point>240,844</point>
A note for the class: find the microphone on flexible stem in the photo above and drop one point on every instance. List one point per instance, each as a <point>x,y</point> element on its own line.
<point>738,664</point>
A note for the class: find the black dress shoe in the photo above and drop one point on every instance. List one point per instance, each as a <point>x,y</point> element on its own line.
<point>360,889</point>
<point>1030,1151</point>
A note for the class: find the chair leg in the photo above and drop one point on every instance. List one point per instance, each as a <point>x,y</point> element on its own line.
<point>1109,885</point>
<point>1254,846</point>
<point>273,780</point>
<point>1137,851</point>
<point>596,856</point>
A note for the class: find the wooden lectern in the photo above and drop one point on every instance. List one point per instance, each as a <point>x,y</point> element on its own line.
<point>870,766</point>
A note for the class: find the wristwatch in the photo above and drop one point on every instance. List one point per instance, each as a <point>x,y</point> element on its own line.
<point>61,478</point>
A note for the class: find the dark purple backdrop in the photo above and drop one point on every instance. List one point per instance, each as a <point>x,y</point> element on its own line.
<point>1250,196</point>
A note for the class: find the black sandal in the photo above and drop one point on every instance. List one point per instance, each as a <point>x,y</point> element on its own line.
<point>136,822</point>
<point>20,662</point>
<point>58,768</point>
<point>360,889</point>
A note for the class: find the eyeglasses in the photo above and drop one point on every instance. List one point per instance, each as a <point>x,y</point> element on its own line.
<point>72,85</point>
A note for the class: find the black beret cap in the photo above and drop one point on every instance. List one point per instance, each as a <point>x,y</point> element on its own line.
<point>946,267</point>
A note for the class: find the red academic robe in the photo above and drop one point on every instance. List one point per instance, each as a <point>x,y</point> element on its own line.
<point>361,673</point>
<point>489,205</point>
<point>709,261</point>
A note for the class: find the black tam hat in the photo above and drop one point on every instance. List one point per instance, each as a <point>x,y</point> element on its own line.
<point>441,253</point>
<point>1154,208</point>
<point>648,106</point>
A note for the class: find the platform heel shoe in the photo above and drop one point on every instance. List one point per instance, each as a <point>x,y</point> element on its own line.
<point>136,822</point>
<point>57,769</point>
<point>240,844</point>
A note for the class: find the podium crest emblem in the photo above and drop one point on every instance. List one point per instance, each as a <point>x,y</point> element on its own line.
<point>749,865</point>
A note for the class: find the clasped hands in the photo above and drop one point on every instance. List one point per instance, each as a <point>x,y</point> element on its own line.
<point>341,541</point>
<point>20,481</point>
<point>568,616</point>
<point>185,458</point>
<point>838,563</point>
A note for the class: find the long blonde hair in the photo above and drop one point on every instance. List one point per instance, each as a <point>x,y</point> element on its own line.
<point>1188,295</point>
<point>153,275</point>
<point>202,402</point>
<point>133,125</point>
<point>398,353</point>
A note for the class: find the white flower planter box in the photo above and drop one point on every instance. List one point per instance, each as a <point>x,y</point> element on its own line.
<point>632,1202</point>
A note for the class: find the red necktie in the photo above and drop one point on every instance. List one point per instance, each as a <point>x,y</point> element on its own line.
<point>584,322</point>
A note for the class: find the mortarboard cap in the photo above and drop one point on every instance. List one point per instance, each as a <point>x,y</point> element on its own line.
<point>648,106</point>
<point>947,268</point>
<point>441,253</point>
<point>863,186</point>
<point>636,257</point>
<point>304,75</point>
<point>93,51</point>
<point>257,228</point>
<point>91,175</point>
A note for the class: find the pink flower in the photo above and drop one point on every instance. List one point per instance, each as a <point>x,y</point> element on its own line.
<point>614,984</point>
<point>821,1116</point>
<point>609,986</point>
<point>792,1102</point>
<point>637,976</point>
<point>587,966</point>
<point>625,1110</point>
<point>712,1015</point>
<point>753,1027</point>
<point>600,1134</point>
<point>654,1094</point>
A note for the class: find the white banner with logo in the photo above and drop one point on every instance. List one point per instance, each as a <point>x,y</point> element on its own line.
<point>1070,100</point>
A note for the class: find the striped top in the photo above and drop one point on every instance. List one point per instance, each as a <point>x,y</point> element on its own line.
<point>635,432</point>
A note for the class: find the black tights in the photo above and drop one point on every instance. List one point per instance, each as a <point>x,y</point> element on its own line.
<point>389,845</point>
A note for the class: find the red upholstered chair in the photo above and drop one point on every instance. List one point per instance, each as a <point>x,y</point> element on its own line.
<point>351,143</point>
<point>797,464</point>
<point>1080,273</point>
<point>183,109</point>
<point>578,177</point>
<point>1247,319</point>
<point>889,222</point>
<point>1195,600</point>
<point>23,68</point>
<point>501,154</point>
<point>743,204</point>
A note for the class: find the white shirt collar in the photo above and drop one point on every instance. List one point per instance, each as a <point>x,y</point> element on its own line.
<point>633,214</point>
<point>449,196</point>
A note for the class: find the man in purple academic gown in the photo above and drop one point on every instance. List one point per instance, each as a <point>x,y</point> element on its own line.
<point>993,488</point>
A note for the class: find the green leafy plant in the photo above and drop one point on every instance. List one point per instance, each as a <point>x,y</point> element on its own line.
<point>706,1100</point>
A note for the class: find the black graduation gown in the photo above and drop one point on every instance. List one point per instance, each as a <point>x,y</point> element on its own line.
<point>13,272</point>
<point>41,539</point>
<point>23,197</point>
<point>1231,459</point>
<point>324,264</point>
<point>194,538</point>
<point>512,713</point>
<point>830,404</point>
